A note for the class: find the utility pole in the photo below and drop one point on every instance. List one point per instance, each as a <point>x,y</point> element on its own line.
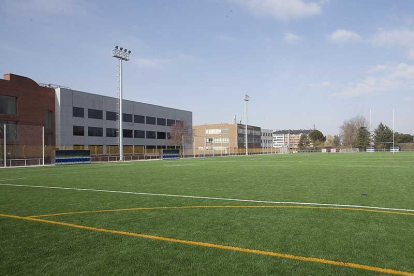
<point>122,55</point>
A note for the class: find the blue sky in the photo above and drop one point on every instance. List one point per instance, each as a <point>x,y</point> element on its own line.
<point>302,62</point>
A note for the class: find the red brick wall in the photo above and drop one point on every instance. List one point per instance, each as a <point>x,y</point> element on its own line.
<point>32,101</point>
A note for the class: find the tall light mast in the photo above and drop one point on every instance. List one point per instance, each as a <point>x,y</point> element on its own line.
<point>122,55</point>
<point>246,99</point>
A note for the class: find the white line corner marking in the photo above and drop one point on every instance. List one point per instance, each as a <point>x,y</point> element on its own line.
<point>210,198</point>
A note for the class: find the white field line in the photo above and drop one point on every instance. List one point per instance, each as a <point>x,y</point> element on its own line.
<point>13,179</point>
<point>212,198</point>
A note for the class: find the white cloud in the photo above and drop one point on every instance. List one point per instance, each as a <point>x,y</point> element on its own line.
<point>380,68</point>
<point>282,9</point>
<point>402,37</point>
<point>291,38</point>
<point>341,35</point>
<point>396,37</point>
<point>390,79</point>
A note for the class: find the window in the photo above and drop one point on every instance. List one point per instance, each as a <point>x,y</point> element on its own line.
<point>139,134</point>
<point>170,122</point>
<point>178,122</point>
<point>49,139</point>
<point>127,118</point>
<point>111,132</point>
<point>168,135</point>
<point>95,114</point>
<point>151,135</point>
<point>150,120</point>
<point>78,112</point>
<point>127,133</point>
<point>161,135</point>
<point>111,116</point>
<point>11,130</point>
<point>139,119</point>
<point>95,131</point>
<point>161,122</point>
<point>78,131</point>
<point>8,105</point>
<point>48,119</point>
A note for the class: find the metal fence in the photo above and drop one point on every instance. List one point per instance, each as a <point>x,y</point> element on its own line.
<point>23,145</point>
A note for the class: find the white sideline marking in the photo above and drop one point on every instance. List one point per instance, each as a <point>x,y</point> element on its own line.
<point>12,179</point>
<point>212,198</point>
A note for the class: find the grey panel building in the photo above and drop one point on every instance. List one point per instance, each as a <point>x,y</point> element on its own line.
<point>85,120</point>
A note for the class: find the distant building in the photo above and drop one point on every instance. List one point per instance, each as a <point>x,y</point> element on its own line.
<point>85,120</point>
<point>225,138</point>
<point>288,138</point>
<point>267,138</point>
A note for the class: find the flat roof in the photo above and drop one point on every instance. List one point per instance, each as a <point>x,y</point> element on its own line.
<point>61,88</point>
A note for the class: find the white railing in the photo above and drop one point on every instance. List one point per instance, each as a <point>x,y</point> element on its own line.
<point>25,162</point>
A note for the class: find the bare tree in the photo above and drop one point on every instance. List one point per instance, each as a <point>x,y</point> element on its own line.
<point>180,134</point>
<point>349,129</point>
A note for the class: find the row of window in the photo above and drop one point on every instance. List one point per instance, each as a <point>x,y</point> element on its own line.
<point>267,134</point>
<point>128,118</point>
<point>249,131</point>
<point>217,140</point>
<point>127,133</point>
<point>217,131</point>
<point>242,139</point>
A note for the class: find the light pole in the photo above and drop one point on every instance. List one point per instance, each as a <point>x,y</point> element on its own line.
<point>121,54</point>
<point>246,99</point>
<point>393,130</point>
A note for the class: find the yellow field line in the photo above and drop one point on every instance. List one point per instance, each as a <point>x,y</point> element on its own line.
<point>218,246</point>
<point>227,206</point>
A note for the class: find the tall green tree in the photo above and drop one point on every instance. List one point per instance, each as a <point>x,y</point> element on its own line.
<point>303,142</point>
<point>363,138</point>
<point>316,136</point>
<point>337,141</point>
<point>383,136</point>
<point>403,138</point>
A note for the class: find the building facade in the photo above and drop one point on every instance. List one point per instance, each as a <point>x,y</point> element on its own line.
<point>267,138</point>
<point>85,120</point>
<point>24,103</point>
<point>27,115</point>
<point>225,138</point>
<point>288,138</point>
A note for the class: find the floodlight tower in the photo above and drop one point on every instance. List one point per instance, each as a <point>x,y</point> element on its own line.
<point>246,99</point>
<point>393,130</point>
<point>122,55</point>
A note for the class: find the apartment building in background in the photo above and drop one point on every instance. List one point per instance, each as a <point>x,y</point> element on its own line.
<point>267,138</point>
<point>288,138</point>
<point>225,138</point>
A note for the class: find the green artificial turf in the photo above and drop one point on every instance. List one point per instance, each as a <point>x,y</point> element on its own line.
<point>369,238</point>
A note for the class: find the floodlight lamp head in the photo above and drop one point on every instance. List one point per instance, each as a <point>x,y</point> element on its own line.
<point>116,47</point>
<point>125,50</point>
<point>246,98</point>
<point>121,48</point>
<point>129,51</point>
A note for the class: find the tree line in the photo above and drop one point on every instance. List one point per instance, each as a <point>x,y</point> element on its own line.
<point>354,133</point>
